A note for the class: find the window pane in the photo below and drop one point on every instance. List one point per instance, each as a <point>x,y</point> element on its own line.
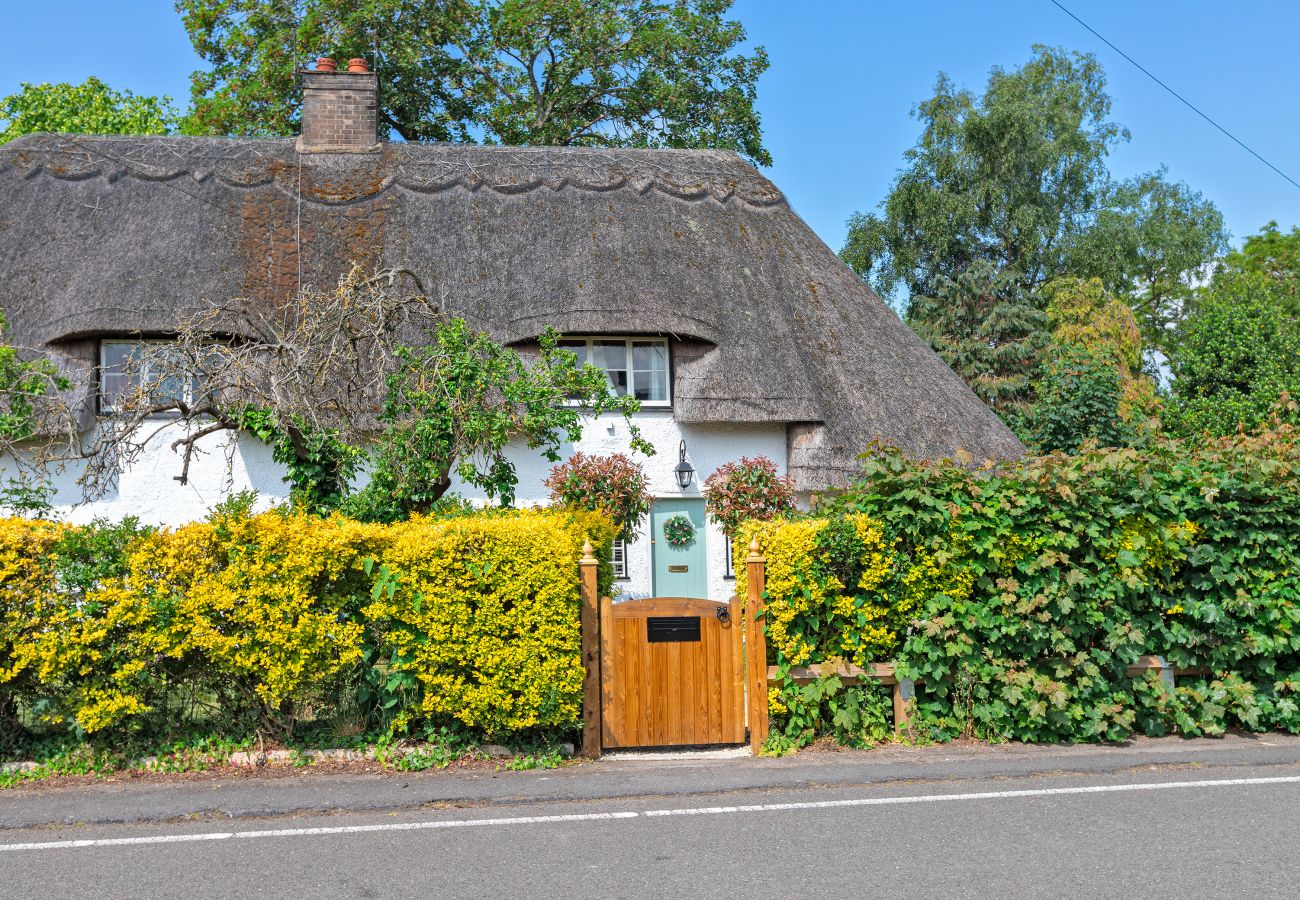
<point>126,366</point>
<point>113,379</point>
<point>650,385</point>
<point>171,390</point>
<point>612,357</point>
<point>610,354</point>
<point>649,355</point>
<point>579,349</point>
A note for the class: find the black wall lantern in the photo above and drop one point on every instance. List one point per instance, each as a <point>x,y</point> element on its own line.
<point>684,472</point>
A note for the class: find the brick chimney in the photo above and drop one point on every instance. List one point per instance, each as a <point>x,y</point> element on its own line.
<point>339,109</point>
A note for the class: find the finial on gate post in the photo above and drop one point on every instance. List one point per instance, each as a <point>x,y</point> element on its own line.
<point>755,551</point>
<point>588,551</point>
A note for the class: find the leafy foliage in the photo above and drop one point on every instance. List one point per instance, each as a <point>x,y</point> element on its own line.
<point>1238,355</point>
<point>1150,244</point>
<point>23,382</point>
<point>639,73</point>
<point>1057,574</point>
<point>318,466</point>
<point>481,613</point>
<point>91,107</point>
<point>629,73</point>
<point>852,715</point>
<point>613,486</point>
<point>1079,399</point>
<point>1017,179</point>
<point>1273,254</point>
<point>1083,313</point>
<point>253,623</point>
<point>985,326</point>
<point>837,587</point>
<point>453,407</point>
<point>750,488</point>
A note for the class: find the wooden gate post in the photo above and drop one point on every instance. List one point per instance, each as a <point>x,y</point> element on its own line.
<point>756,646</point>
<point>590,652</point>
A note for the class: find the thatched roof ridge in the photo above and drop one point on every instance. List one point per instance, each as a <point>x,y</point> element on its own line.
<point>111,235</point>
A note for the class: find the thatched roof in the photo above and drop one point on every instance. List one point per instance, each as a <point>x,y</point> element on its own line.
<point>112,235</point>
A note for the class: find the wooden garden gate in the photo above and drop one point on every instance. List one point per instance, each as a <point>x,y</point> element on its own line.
<point>669,671</point>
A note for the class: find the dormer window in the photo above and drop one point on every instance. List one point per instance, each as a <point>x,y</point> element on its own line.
<point>636,366</point>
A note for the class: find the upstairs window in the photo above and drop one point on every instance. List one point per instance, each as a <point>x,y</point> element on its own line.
<point>126,365</point>
<point>636,366</point>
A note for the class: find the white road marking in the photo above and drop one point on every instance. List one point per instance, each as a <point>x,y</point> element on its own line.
<point>688,811</point>
<point>298,832</point>
<point>982,795</point>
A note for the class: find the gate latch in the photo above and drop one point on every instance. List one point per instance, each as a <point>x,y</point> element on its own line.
<point>724,615</point>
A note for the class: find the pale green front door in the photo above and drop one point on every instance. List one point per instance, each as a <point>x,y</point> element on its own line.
<point>679,571</point>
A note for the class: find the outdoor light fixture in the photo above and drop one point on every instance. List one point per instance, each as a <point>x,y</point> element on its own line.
<point>684,472</point>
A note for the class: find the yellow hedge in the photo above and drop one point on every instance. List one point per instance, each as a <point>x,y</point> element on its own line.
<point>274,608</point>
<point>485,612</point>
<point>811,615</point>
<point>30,606</point>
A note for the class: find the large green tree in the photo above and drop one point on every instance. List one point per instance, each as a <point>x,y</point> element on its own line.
<point>1083,314</point>
<point>1237,353</point>
<point>987,328</point>
<point>1078,400</point>
<point>91,107</point>
<point>1150,243</point>
<point>1017,178</point>
<point>1273,254</point>
<point>627,73</point>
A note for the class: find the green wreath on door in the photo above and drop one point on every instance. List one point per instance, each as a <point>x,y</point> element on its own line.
<point>679,531</point>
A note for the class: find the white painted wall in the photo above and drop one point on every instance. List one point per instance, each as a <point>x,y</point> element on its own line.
<point>149,490</point>
<point>707,448</point>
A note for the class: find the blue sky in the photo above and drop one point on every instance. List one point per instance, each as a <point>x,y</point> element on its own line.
<point>845,76</point>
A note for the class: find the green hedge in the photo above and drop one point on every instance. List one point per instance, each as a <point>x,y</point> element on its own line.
<point>1057,573</point>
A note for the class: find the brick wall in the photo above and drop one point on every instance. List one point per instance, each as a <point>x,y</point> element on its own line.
<point>339,111</point>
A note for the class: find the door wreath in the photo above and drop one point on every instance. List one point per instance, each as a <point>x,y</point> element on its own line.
<point>679,531</point>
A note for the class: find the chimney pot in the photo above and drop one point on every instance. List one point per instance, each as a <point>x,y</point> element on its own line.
<point>325,64</point>
<point>357,64</point>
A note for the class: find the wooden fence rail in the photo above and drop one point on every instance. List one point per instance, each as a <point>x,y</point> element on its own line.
<point>904,689</point>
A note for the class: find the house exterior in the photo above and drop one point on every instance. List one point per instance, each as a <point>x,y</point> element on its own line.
<point>684,274</point>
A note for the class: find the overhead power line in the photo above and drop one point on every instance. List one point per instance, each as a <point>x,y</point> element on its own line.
<point>1179,96</point>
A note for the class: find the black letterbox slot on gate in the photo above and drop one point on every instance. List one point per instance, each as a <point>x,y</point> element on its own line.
<point>671,629</point>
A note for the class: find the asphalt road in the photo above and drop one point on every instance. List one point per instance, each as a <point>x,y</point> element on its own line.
<point>1158,831</point>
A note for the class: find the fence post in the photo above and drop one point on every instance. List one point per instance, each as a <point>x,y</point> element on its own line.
<point>904,695</point>
<point>756,646</point>
<point>1166,672</point>
<point>590,652</point>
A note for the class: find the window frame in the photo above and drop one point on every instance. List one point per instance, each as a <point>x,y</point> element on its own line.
<point>628,340</point>
<point>103,404</point>
<point>618,559</point>
<point>729,561</point>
